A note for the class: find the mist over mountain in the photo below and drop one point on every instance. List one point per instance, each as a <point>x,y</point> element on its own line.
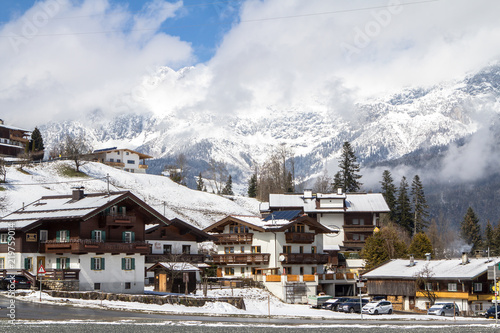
<point>446,133</point>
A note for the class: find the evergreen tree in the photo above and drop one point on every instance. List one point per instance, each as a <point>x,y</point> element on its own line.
<point>420,207</point>
<point>420,245</point>
<point>349,169</point>
<point>374,251</point>
<point>495,244</point>
<point>489,236</point>
<point>252,186</point>
<point>470,231</point>
<point>337,182</point>
<point>36,140</point>
<point>403,208</point>
<point>199,183</point>
<point>228,189</point>
<point>389,193</point>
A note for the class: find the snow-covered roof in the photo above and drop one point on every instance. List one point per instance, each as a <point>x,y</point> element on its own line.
<point>286,200</point>
<point>106,150</point>
<point>177,266</point>
<point>14,128</point>
<point>366,202</point>
<point>446,269</point>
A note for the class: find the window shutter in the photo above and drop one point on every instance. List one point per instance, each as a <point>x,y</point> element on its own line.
<point>103,235</point>
<point>67,263</point>
<point>123,263</point>
<point>132,236</point>
<point>123,236</point>
<point>67,235</point>
<point>58,263</point>
<point>58,236</point>
<point>102,262</point>
<point>26,263</point>
<point>92,264</point>
<point>93,235</point>
<point>132,263</point>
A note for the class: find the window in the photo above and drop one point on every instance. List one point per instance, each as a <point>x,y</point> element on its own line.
<point>118,160</point>
<point>301,270</point>
<point>167,249</point>
<point>2,263</point>
<point>298,228</point>
<point>97,286</point>
<point>228,249</point>
<point>287,249</point>
<point>186,249</point>
<point>62,236</point>
<point>313,249</point>
<point>98,235</point>
<point>242,249</point>
<point>237,229</point>
<point>122,210</point>
<point>44,235</point>
<point>428,286</point>
<point>287,270</point>
<point>229,271</point>
<point>28,263</point>
<point>127,285</point>
<point>478,287</point>
<point>127,153</point>
<point>117,153</point>
<point>128,236</point>
<point>256,249</point>
<point>242,270</point>
<point>111,160</point>
<point>313,270</point>
<point>128,264</point>
<point>301,249</point>
<point>452,287</point>
<point>62,263</point>
<point>97,264</point>
<point>4,238</point>
<point>130,162</point>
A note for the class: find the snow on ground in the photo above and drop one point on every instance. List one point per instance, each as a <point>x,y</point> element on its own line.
<point>198,208</point>
<point>257,302</point>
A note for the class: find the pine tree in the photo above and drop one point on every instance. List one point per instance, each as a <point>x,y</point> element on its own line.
<point>228,189</point>
<point>389,193</point>
<point>252,186</point>
<point>470,231</point>
<point>337,182</point>
<point>349,169</point>
<point>420,207</point>
<point>199,183</point>
<point>403,208</point>
<point>420,245</point>
<point>374,251</point>
<point>37,140</point>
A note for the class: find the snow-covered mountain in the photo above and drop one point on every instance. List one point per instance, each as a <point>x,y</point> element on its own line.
<point>383,128</point>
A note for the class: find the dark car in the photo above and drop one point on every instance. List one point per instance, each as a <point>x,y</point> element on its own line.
<point>19,282</point>
<point>353,305</point>
<point>332,304</point>
<point>491,312</point>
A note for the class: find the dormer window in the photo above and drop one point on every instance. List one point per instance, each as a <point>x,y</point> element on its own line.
<point>236,228</point>
<point>298,228</point>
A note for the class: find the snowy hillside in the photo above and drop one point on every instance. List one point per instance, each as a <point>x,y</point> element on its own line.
<point>198,208</point>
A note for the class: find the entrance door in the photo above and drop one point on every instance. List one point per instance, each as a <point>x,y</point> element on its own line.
<point>40,261</point>
<point>162,282</point>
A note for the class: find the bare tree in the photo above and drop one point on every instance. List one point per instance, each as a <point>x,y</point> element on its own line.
<point>77,149</point>
<point>424,284</point>
<point>323,183</point>
<point>218,174</point>
<point>3,170</point>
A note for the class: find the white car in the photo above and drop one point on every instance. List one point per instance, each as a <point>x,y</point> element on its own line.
<point>378,307</point>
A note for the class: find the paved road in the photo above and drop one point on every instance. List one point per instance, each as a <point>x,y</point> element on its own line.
<point>36,311</point>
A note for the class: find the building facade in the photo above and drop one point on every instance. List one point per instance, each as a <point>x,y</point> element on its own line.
<point>123,159</point>
<point>13,140</point>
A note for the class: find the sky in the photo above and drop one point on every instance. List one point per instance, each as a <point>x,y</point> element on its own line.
<point>62,59</point>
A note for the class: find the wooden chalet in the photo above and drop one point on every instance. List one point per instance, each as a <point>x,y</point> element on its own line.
<point>13,140</point>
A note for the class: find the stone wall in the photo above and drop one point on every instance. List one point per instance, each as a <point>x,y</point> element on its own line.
<point>237,302</point>
<point>60,285</point>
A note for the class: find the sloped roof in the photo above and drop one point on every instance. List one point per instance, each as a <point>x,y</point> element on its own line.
<point>175,266</point>
<point>446,269</point>
<point>64,207</point>
<point>105,150</point>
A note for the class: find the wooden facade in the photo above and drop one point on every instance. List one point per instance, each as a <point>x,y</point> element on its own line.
<point>13,141</point>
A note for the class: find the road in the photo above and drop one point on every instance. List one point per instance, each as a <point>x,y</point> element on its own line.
<point>36,311</point>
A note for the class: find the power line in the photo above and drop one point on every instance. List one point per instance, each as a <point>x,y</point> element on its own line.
<point>55,183</point>
<point>231,22</point>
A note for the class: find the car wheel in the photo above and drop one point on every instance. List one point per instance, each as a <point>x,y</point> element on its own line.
<point>375,312</point>
<point>351,310</point>
<point>442,313</point>
<point>457,314</point>
<point>390,311</point>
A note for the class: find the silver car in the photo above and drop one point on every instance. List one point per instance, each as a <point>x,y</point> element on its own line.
<point>378,307</point>
<point>444,309</point>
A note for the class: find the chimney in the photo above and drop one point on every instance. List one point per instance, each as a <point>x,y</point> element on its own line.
<point>339,191</point>
<point>412,260</point>
<point>77,194</point>
<point>465,258</point>
<point>308,194</point>
<point>428,256</point>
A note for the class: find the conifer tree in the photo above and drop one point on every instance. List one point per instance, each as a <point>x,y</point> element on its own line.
<point>36,140</point>
<point>349,169</point>
<point>228,189</point>
<point>387,243</point>
<point>470,231</point>
<point>420,207</point>
<point>199,183</point>
<point>489,236</point>
<point>252,186</point>
<point>389,193</point>
<point>420,245</point>
<point>403,207</point>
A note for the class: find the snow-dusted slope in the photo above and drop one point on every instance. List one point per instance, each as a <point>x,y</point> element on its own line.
<point>198,208</point>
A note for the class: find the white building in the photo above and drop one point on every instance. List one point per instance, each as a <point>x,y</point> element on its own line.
<point>123,159</point>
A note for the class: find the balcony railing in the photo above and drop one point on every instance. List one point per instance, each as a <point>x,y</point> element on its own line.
<point>234,238</point>
<point>120,219</point>
<point>255,258</point>
<point>143,166</point>
<point>304,258</point>
<point>299,237</point>
<point>354,243</point>
<point>115,164</point>
<point>355,228</point>
<point>77,246</point>
<point>62,274</point>
<point>192,258</point>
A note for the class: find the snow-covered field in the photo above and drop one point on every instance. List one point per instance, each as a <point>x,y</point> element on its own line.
<point>176,201</point>
<point>257,301</point>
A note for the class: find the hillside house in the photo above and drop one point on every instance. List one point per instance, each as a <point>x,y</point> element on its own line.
<point>462,281</point>
<point>13,140</point>
<point>284,251</point>
<point>123,159</point>
<point>84,241</point>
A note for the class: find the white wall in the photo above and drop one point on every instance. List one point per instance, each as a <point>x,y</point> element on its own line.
<point>157,246</point>
<point>124,158</point>
<point>329,220</point>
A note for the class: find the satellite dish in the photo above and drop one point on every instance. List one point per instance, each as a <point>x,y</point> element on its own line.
<point>335,229</point>
<point>281,258</point>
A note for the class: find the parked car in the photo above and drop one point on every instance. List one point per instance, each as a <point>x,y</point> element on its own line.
<point>490,313</point>
<point>19,281</point>
<point>333,303</point>
<point>353,305</point>
<point>316,301</point>
<point>444,309</point>
<point>378,307</point>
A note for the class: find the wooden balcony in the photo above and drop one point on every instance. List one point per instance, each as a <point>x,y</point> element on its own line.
<point>241,258</point>
<point>191,258</point>
<point>234,239</point>
<point>143,166</point>
<point>119,220</point>
<point>304,258</point>
<point>299,237</point>
<point>354,243</point>
<point>115,164</point>
<point>355,228</point>
<point>62,274</point>
<point>80,246</point>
